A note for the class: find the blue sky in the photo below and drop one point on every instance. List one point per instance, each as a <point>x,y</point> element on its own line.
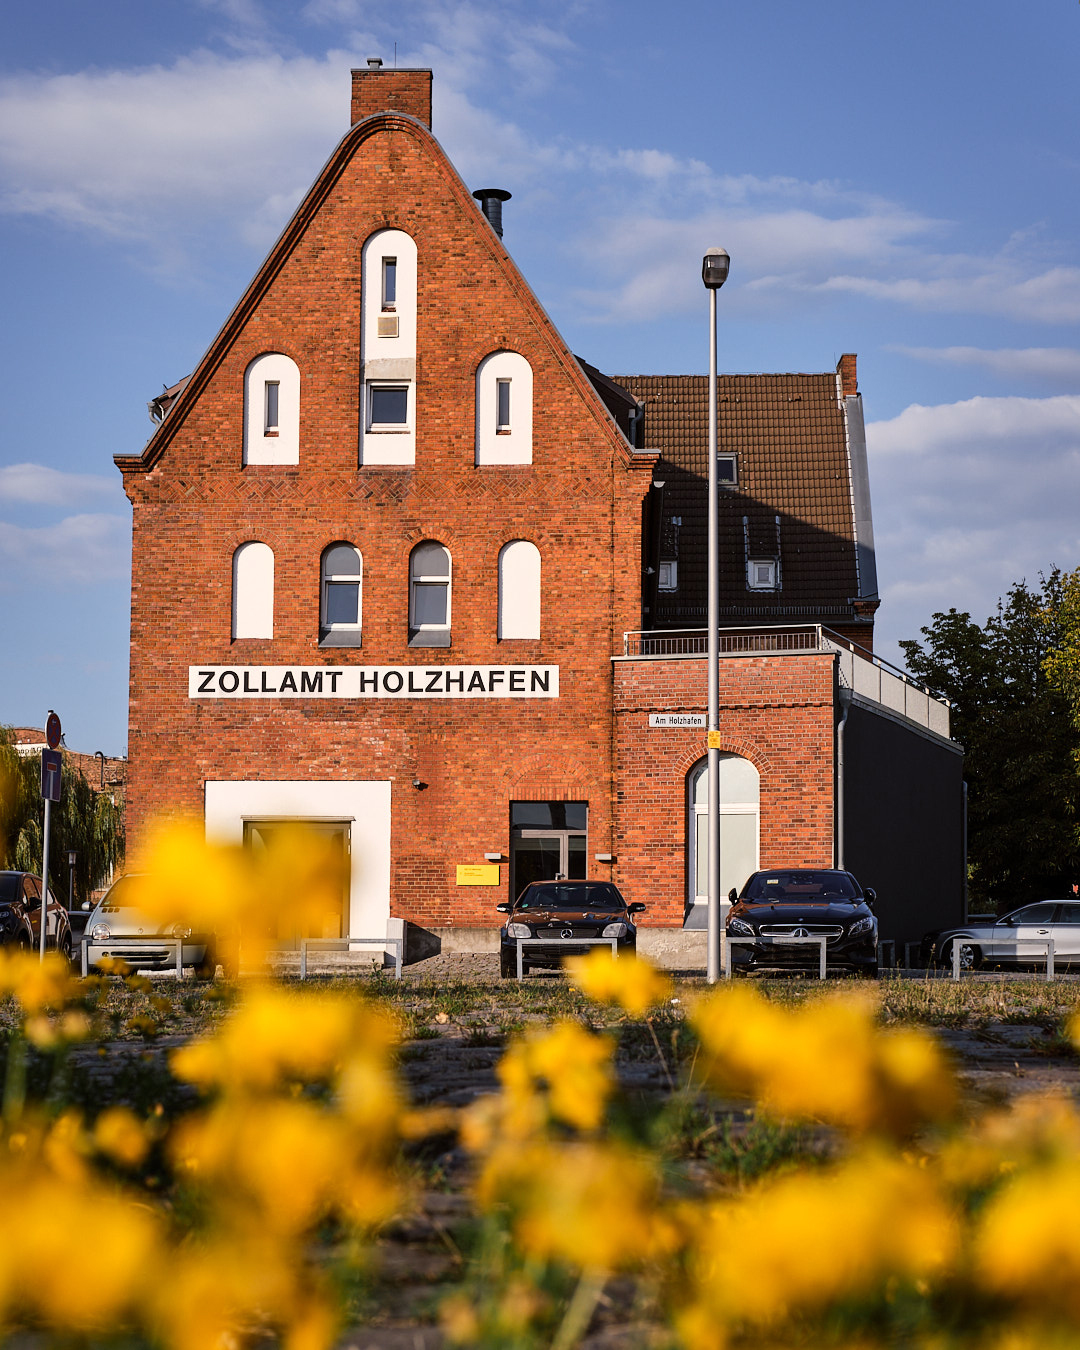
<point>901,183</point>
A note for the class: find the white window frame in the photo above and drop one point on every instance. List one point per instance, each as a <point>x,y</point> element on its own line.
<point>390,428</point>
<point>520,590</point>
<point>331,634</point>
<point>387,345</point>
<point>752,582</point>
<point>263,443</point>
<point>253,591</point>
<point>503,424</point>
<point>513,443</point>
<point>668,576</point>
<point>421,631</point>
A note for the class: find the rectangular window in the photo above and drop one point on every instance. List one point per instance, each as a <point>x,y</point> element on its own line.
<point>389,283</point>
<point>388,407</point>
<point>342,602</point>
<point>430,608</point>
<point>668,576</point>
<point>761,574</point>
<point>727,470</point>
<point>272,389</point>
<point>502,415</point>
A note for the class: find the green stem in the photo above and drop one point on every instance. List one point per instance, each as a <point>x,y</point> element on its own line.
<point>579,1314</point>
<point>15,1078</point>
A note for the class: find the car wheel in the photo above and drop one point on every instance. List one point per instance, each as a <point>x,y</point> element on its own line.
<point>65,947</point>
<point>207,967</point>
<point>507,967</point>
<point>970,955</point>
<point>869,972</point>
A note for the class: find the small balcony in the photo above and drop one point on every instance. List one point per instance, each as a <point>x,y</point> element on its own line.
<point>862,675</point>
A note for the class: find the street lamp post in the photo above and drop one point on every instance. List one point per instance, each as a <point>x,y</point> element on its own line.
<point>714,271</point>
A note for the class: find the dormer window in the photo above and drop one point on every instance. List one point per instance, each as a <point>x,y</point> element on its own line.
<point>761,574</point>
<point>727,470</point>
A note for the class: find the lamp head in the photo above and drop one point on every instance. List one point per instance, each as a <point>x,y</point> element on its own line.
<point>714,268</point>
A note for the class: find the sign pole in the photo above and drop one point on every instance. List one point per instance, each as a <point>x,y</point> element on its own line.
<point>45,877</point>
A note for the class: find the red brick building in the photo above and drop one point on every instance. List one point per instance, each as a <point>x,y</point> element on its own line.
<point>391,566</point>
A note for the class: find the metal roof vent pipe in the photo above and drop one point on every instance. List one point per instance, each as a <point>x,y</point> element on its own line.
<point>374,63</point>
<point>491,200</point>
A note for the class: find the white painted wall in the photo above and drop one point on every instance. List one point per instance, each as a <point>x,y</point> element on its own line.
<point>253,591</point>
<point>519,590</point>
<point>388,359</point>
<point>504,447</point>
<point>284,448</point>
<point>364,804</point>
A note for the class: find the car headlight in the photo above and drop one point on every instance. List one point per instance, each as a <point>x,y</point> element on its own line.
<point>178,931</point>
<point>615,930</point>
<point>516,930</point>
<point>740,928</point>
<point>863,925</point>
<point>101,932</point>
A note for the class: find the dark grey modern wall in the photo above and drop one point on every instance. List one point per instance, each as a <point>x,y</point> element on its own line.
<point>903,824</point>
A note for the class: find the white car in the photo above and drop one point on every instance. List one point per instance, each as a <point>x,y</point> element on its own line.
<point>116,930</point>
<point>995,943</point>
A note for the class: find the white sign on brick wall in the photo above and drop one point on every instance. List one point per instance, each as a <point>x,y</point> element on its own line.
<point>675,721</point>
<point>418,682</point>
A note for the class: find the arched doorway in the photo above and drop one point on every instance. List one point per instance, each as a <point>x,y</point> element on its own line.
<point>740,793</point>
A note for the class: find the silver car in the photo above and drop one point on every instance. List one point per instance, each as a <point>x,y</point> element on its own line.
<point>1016,939</point>
<point>116,930</point>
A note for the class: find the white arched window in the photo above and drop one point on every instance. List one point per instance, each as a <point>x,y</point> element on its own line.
<point>388,349</point>
<point>519,590</point>
<point>429,595</point>
<point>253,591</point>
<point>341,604</point>
<point>272,410</point>
<point>504,397</point>
<point>740,795</point>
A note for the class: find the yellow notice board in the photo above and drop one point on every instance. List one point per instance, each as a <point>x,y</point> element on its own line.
<point>478,874</point>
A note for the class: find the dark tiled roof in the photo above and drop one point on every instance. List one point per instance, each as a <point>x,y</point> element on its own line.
<point>788,433</point>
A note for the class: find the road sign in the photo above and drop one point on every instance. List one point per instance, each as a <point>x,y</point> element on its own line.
<point>52,731</point>
<point>51,765</point>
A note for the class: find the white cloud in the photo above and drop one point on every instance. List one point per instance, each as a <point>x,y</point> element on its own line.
<point>1052,365</point>
<point>39,485</point>
<point>969,498</point>
<point>81,550</point>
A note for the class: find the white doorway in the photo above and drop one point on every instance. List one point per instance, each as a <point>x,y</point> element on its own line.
<point>740,817</point>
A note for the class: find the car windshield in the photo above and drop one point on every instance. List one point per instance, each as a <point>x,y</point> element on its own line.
<point>10,887</point>
<point>119,896</point>
<point>801,886</point>
<point>570,895</point>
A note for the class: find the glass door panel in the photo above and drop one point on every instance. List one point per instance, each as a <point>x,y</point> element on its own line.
<point>536,859</point>
<point>577,862</point>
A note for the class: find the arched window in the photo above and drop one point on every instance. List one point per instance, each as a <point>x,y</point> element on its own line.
<point>740,792</point>
<point>519,590</point>
<point>341,610</point>
<point>272,410</point>
<point>429,596</point>
<point>388,349</point>
<point>253,591</point>
<point>504,409</point>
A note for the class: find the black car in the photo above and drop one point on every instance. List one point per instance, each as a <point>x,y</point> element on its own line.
<point>804,902</point>
<point>20,915</point>
<point>563,909</point>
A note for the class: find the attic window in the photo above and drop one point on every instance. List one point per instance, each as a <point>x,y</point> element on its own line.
<point>272,389</point>
<point>389,283</point>
<point>727,470</point>
<point>502,415</point>
<point>668,576</point>
<point>761,574</point>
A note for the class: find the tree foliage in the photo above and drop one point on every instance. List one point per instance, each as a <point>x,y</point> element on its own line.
<point>84,820</point>
<point>1017,725</point>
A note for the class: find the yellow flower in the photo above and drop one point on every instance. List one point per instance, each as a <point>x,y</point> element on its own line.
<point>826,1060</point>
<point>34,983</point>
<point>1028,1241</point>
<point>566,1067</point>
<point>630,983</point>
<point>121,1136</point>
<point>590,1204</point>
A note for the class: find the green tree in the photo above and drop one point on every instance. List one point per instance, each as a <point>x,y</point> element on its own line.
<point>84,820</point>
<point>1020,740</point>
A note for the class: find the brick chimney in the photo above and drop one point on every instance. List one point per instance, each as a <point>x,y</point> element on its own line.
<point>376,90</point>
<point>846,370</point>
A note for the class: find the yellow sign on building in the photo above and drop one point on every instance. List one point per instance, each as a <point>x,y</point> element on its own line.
<point>478,874</point>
